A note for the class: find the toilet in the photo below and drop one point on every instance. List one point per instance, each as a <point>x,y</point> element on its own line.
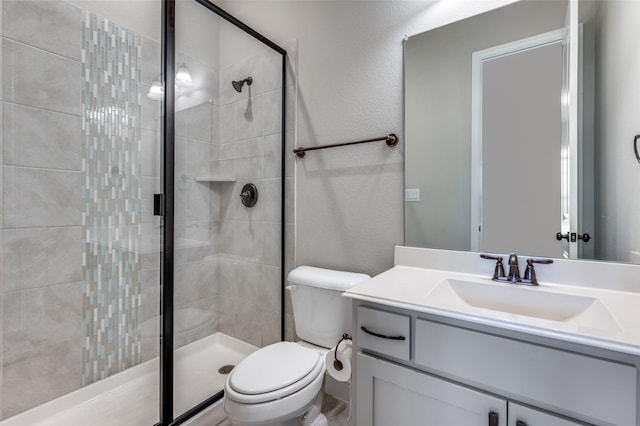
<point>281,384</point>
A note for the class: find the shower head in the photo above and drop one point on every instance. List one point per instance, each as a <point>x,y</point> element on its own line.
<point>238,84</point>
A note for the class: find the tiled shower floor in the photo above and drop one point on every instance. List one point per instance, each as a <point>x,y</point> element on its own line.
<point>130,398</point>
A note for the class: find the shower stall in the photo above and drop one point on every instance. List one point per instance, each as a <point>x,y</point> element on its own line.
<point>143,212</point>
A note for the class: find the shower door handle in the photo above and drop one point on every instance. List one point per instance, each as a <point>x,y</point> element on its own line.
<point>158,204</point>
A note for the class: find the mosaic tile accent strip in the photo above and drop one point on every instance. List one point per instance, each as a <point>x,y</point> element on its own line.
<point>111,194</point>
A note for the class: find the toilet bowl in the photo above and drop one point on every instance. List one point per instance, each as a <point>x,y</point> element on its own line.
<point>281,384</point>
<point>275,385</point>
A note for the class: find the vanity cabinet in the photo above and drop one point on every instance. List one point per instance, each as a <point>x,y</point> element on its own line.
<point>452,372</point>
<point>389,394</point>
<point>556,379</point>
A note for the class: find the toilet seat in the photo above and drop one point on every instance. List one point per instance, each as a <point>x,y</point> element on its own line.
<point>273,412</point>
<point>273,372</point>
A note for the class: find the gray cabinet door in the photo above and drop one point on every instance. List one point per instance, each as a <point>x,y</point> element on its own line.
<point>389,394</point>
<point>524,416</point>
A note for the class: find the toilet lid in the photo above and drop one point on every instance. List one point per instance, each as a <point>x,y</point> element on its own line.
<point>273,367</point>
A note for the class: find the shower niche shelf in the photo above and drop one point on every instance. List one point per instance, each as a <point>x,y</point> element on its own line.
<point>214,179</point>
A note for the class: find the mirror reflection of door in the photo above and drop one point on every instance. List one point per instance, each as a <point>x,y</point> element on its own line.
<point>516,146</point>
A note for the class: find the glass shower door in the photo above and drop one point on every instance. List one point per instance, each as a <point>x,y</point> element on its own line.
<point>227,259</point>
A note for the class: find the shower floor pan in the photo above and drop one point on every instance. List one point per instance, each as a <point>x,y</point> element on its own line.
<point>131,397</point>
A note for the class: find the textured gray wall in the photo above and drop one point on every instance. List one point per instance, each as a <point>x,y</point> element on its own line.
<point>349,201</point>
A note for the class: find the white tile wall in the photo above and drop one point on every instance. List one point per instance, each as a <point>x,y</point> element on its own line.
<point>228,258</point>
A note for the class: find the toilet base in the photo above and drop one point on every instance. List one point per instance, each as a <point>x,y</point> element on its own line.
<point>314,416</point>
<point>320,420</point>
<point>310,417</point>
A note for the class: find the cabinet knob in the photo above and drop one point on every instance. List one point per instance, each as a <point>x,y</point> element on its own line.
<point>493,418</point>
<point>520,423</point>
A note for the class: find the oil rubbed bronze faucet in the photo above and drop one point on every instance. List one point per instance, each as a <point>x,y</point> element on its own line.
<point>514,269</point>
<point>529,277</point>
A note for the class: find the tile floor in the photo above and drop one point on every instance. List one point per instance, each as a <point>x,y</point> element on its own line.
<point>337,411</point>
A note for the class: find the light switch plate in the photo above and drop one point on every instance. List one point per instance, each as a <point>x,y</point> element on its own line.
<point>412,195</point>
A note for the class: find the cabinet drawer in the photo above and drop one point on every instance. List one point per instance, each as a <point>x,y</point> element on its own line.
<point>520,415</point>
<point>572,384</point>
<point>384,332</point>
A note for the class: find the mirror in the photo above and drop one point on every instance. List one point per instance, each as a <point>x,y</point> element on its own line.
<point>519,130</point>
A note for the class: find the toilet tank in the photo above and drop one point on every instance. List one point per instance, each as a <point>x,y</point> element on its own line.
<point>320,313</point>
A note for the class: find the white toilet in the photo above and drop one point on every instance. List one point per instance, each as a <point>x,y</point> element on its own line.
<point>281,384</point>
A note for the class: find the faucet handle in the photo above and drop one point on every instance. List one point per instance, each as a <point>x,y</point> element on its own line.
<point>498,272</point>
<point>529,277</point>
<point>530,273</point>
<point>541,261</point>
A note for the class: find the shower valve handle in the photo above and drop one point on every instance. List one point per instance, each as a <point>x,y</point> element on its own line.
<point>249,195</point>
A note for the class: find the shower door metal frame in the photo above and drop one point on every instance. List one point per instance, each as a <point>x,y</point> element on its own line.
<point>168,202</point>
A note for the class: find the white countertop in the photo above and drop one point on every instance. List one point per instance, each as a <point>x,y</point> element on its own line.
<point>613,325</point>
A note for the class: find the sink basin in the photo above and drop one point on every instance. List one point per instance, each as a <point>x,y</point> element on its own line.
<point>531,302</point>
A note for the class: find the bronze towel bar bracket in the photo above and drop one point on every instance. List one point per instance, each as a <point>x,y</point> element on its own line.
<point>391,140</point>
